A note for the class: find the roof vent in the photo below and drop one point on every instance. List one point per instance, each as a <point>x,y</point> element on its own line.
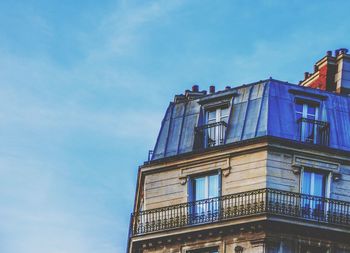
<point>211,89</point>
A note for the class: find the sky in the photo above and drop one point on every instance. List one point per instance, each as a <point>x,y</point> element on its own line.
<point>84,86</point>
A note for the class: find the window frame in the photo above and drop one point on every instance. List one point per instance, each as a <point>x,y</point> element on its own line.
<point>191,198</point>
<point>218,115</point>
<point>327,186</point>
<point>305,115</point>
<point>216,132</point>
<point>191,177</point>
<point>328,175</point>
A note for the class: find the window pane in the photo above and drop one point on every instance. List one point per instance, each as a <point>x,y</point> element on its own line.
<point>299,108</point>
<point>299,115</point>
<point>213,186</point>
<point>224,112</point>
<point>311,116</point>
<point>311,110</point>
<point>211,115</point>
<point>224,119</point>
<point>200,188</point>
<point>319,185</point>
<point>306,182</point>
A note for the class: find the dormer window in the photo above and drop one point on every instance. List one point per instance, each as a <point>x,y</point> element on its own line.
<point>213,132</point>
<point>311,130</point>
<point>217,122</point>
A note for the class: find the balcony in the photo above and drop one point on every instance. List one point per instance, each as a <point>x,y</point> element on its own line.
<point>313,131</point>
<point>210,135</point>
<point>263,201</point>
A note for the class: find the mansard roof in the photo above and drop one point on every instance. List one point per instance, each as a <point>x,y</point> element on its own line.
<point>264,108</point>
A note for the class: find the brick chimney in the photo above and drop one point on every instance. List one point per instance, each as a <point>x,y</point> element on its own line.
<point>331,73</point>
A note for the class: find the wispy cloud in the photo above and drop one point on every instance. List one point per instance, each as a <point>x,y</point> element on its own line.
<point>51,195</point>
<point>82,98</point>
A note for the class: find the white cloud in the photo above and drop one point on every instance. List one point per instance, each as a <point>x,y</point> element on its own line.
<point>47,204</point>
<point>126,24</point>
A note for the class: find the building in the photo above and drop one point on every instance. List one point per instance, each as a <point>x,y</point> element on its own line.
<point>263,167</point>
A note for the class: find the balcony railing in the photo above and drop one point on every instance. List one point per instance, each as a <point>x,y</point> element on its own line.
<point>313,131</point>
<point>210,135</point>
<point>262,201</point>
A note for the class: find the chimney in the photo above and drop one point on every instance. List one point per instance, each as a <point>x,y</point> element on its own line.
<point>323,77</point>
<point>211,89</point>
<point>342,75</point>
<point>331,73</point>
<point>194,93</point>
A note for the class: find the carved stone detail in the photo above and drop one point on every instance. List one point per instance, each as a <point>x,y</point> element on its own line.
<point>183,180</point>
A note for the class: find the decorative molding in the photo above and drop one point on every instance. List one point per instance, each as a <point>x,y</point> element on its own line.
<point>307,93</point>
<point>238,249</point>
<point>183,180</point>
<point>226,171</point>
<point>316,164</point>
<point>336,177</point>
<point>217,104</point>
<point>258,242</point>
<point>218,97</point>
<point>296,169</point>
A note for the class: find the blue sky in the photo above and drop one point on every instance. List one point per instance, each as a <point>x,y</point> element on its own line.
<point>83,89</point>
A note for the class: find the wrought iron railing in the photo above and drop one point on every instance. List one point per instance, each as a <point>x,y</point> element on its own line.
<point>210,135</point>
<point>313,131</point>
<point>262,201</point>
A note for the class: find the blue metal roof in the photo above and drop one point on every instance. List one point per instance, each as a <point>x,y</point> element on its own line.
<point>265,108</point>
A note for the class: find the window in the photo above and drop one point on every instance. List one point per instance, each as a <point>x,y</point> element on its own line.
<point>205,190</point>
<point>217,115</point>
<point>306,115</point>
<point>312,249</point>
<point>216,122</point>
<point>205,250</point>
<point>314,184</point>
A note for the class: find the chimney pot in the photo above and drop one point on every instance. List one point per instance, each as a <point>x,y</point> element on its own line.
<point>343,50</point>
<point>195,88</point>
<point>329,53</point>
<point>212,89</point>
<point>315,68</point>
<point>306,75</point>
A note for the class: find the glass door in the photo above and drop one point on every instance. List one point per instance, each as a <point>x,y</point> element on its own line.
<point>206,191</point>
<point>314,185</point>
<point>307,114</point>
<point>216,132</point>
